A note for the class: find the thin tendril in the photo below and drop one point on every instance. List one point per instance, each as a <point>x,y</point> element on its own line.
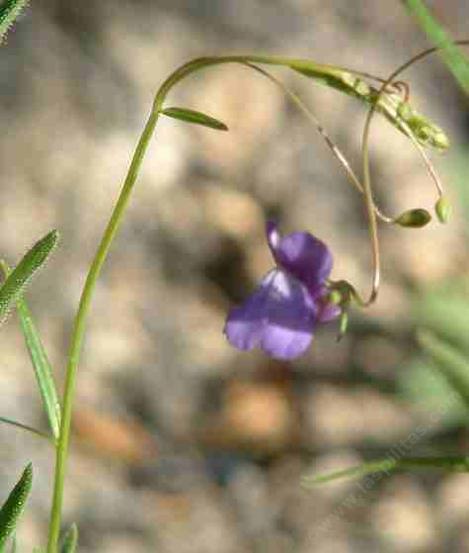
<point>423,154</point>
<point>390,79</point>
<point>366,164</point>
<point>315,122</point>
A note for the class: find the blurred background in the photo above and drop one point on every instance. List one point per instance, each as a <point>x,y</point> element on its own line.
<point>181,443</point>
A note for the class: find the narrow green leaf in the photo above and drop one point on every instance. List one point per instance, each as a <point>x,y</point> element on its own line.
<point>192,116</point>
<point>41,366</point>
<point>9,11</point>
<point>70,542</point>
<point>19,278</point>
<point>40,361</point>
<point>24,427</point>
<point>449,464</point>
<point>452,365</point>
<point>456,61</point>
<point>14,506</point>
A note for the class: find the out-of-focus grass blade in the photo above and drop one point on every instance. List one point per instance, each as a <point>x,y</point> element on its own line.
<point>456,61</point>
<point>197,117</point>
<point>9,11</point>
<point>452,365</point>
<point>13,545</point>
<point>444,310</point>
<point>18,279</point>
<point>71,540</point>
<point>424,385</point>
<point>450,464</point>
<point>40,361</point>
<point>14,506</point>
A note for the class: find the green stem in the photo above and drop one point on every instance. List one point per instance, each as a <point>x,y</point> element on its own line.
<point>334,79</point>
<point>353,179</point>
<point>95,269</point>
<point>79,329</point>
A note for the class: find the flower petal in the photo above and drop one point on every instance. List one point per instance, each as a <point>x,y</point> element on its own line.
<point>302,255</point>
<point>279,317</point>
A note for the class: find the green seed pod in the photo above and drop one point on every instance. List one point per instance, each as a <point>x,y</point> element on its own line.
<point>443,209</point>
<point>413,218</point>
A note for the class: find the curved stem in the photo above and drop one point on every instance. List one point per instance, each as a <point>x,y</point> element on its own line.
<point>106,241</point>
<point>79,329</point>
<point>322,131</point>
<point>369,203</point>
<point>100,257</point>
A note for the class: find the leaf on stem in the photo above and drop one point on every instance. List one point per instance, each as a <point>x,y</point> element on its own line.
<point>14,505</point>
<point>70,542</point>
<point>22,426</point>
<point>41,365</point>
<point>9,12</point>
<point>19,278</point>
<point>456,61</point>
<point>192,116</point>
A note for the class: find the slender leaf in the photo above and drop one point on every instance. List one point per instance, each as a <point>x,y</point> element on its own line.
<point>192,116</point>
<point>456,61</point>
<point>19,278</point>
<point>24,427</point>
<point>70,542</point>
<point>450,464</point>
<point>9,11</point>
<point>452,365</point>
<point>14,506</point>
<point>40,361</point>
<point>41,365</point>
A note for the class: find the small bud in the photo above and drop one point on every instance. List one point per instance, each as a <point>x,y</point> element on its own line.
<point>335,297</point>
<point>443,209</point>
<point>413,218</point>
<point>343,324</point>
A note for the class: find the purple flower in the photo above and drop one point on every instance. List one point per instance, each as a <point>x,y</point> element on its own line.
<point>281,314</point>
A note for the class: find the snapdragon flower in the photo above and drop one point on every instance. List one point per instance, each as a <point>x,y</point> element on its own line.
<point>281,314</point>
